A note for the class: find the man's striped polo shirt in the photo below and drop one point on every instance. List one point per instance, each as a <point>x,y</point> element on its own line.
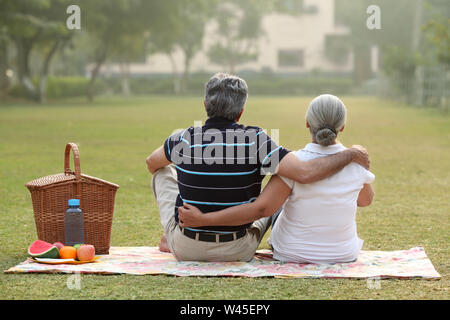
<point>221,164</point>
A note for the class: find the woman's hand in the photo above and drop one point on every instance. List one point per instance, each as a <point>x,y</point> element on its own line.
<point>190,216</point>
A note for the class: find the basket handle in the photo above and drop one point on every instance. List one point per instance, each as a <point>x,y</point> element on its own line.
<point>76,157</point>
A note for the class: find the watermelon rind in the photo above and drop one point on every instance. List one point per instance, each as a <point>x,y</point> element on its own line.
<point>42,249</point>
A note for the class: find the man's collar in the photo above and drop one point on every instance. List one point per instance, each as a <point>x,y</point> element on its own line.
<point>217,120</point>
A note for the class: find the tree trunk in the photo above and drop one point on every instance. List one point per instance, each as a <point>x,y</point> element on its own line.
<point>417,94</point>
<point>23,69</point>
<point>187,65</point>
<point>124,79</point>
<point>362,67</point>
<point>98,64</point>
<point>4,66</point>
<point>232,67</point>
<point>44,73</point>
<point>176,77</point>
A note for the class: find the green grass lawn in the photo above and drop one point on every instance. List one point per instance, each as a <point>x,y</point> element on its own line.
<point>410,156</point>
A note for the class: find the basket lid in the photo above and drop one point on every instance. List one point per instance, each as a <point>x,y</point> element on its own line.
<point>63,177</point>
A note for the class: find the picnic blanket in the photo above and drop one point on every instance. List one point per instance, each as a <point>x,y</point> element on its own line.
<point>403,264</point>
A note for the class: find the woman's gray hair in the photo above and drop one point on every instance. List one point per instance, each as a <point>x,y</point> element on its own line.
<point>225,96</point>
<point>326,116</point>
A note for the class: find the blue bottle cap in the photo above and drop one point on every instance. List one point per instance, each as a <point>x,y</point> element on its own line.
<point>74,202</point>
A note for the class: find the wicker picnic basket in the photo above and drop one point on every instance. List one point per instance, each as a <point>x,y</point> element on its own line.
<point>50,194</point>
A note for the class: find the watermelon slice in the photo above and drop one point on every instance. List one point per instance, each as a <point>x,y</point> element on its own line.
<point>42,249</point>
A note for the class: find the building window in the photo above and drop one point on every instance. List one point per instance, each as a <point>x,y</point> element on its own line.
<point>290,58</point>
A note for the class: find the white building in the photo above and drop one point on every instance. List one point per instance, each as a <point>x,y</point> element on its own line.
<point>290,43</point>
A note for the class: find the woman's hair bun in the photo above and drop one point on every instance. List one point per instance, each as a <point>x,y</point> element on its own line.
<point>325,136</point>
<point>326,117</point>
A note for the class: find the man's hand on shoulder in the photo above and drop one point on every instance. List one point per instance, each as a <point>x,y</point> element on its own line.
<point>360,156</point>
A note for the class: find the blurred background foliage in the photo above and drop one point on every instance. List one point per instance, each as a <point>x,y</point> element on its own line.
<point>41,58</point>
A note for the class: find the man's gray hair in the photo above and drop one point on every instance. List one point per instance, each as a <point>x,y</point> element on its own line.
<point>225,96</point>
<point>326,116</point>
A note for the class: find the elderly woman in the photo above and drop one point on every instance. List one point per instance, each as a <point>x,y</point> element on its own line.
<point>317,223</point>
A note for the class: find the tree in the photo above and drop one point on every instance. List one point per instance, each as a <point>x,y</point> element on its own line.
<point>4,60</point>
<point>193,17</point>
<point>165,41</point>
<point>353,14</point>
<point>105,22</point>
<point>128,48</point>
<point>113,24</point>
<point>185,33</point>
<point>238,29</point>
<point>437,30</point>
<point>35,26</point>
<point>409,50</point>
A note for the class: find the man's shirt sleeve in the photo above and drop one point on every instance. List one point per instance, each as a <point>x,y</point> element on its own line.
<point>269,154</point>
<point>171,142</point>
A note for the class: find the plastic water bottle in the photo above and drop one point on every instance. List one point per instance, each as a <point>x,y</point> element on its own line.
<point>74,223</point>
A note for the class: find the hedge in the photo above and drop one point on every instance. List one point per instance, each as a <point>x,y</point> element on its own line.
<point>62,87</point>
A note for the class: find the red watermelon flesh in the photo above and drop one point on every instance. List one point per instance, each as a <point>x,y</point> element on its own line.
<point>42,249</point>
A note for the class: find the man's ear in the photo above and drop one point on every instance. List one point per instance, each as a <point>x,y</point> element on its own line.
<point>239,116</point>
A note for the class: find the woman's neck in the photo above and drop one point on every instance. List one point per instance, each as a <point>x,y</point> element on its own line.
<point>334,142</point>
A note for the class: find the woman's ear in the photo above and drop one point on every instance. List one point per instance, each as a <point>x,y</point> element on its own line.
<point>307,124</point>
<point>342,128</point>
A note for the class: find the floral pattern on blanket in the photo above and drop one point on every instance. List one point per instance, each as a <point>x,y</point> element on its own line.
<point>403,264</point>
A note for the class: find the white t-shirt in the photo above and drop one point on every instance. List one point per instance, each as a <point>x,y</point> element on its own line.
<point>317,224</point>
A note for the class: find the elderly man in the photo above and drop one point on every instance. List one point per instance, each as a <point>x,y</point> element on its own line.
<point>222,164</point>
